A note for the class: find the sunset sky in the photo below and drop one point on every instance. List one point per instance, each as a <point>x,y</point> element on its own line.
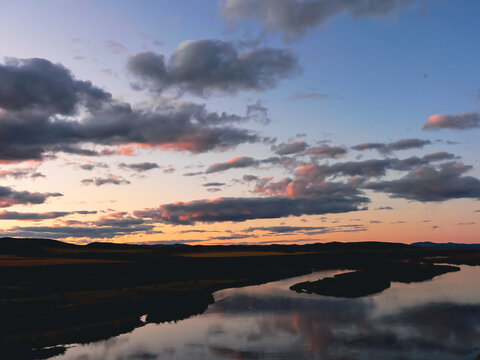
<point>240,121</point>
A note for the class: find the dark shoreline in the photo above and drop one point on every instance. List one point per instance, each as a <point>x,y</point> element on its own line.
<point>47,301</point>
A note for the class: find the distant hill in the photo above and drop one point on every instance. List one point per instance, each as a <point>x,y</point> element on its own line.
<point>449,245</point>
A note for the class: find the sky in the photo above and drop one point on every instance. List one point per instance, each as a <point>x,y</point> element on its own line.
<point>240,121</point>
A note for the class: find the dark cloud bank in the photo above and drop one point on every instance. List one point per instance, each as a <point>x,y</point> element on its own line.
<point>36,95</point>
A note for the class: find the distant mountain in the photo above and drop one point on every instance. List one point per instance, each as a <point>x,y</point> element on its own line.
<point>449,245</point>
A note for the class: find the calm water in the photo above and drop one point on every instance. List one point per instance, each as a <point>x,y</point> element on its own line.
<point>437,319</point>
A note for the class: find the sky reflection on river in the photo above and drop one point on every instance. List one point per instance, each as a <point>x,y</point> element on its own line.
<point>438,319</point>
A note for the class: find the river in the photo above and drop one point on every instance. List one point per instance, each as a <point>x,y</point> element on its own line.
<point>437,319</point>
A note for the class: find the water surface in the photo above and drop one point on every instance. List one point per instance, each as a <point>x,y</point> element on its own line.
<point>437,319</point>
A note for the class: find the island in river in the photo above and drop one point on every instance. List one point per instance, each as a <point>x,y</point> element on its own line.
<point>54,293</point>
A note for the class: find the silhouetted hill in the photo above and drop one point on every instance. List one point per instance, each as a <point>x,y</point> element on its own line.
<point>449,245</point>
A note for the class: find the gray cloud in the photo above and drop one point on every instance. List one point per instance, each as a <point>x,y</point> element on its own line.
<point>384,208</point>
<point>112,179</point>
<point>242,209</point>
<point>60,232</point>
<point>249,178</point>
<point>139,167</point>
<point>245,161</point>
<point>217,184</point>
<point>234,163</point>
<point>463,121</point>
<point>289,148</point>
<point>40,84</point>
<point>294,18</point>
<point>402,144</point>
<point>21,173</point>
<point>90,166</point>
<point>213,66</point>
<point>258,112</point>
<point>439,156</point>
<point>31,127</point>
<point>193,173</point>
<point>427,183</point>
<point>326,152</point>
<point>310,179</point>
<point>10,197</point>
<point>369,146</point>
<point>307,185</point>
<point>13,215</point>
<point>366,168</point>
<point>109,226</point>
<point>310,230</point>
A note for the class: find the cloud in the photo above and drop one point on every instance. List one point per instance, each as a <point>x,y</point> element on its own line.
<point>13,215</point>
<point>35,96</point>
<point>311,179</point>
<point>310,230</point>
<point>464,121</point>
<point>326,152</point>
<point>60,232</point>
<point>234,163</point>
<point>402,144</point>
<point>406,144</point>
<point>289,148</point>
<point>258,112</point>
<point>213,66</point>
<point>109,226</point>
<point>439,156</point>
<point>21,173</point>
<point>111,179</point>
<point>248,178</point>
<point>293,18</point>
<point>115,47</point>
<point>245,161</point>
<point>307,186</point>
<point>214,184</point>
<point>10,197</point>
<point>369,146</point>
<point>193,173</point>
<point>242,209</point>
<point>139,167</point>
<point>90,166</point>
<point>427,183</point>
<point>120,219</point>
<point>39,84</point>
<point>367,168</point>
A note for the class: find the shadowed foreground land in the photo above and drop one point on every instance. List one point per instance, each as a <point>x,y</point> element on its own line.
<point>53,293</point>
